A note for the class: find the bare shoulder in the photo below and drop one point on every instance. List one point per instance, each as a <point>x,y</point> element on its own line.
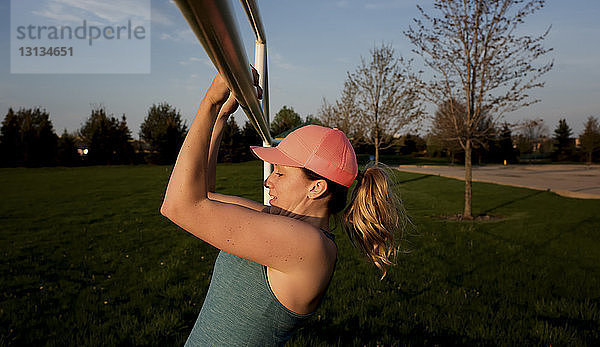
<point>324,249</point>
<point>277,241</point>
<point>301,290</point>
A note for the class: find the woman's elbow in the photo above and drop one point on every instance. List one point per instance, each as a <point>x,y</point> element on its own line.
<point>166,209</point>
<point>173,209</point>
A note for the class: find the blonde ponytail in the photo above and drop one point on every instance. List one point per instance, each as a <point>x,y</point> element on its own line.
<point>375,218</point>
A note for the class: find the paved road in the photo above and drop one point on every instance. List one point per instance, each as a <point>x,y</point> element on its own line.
<point>576,181</point>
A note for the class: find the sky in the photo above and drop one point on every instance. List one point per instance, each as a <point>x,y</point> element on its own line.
<point>311,47</point>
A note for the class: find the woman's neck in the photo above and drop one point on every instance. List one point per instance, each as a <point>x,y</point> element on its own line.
<point>319,220</point>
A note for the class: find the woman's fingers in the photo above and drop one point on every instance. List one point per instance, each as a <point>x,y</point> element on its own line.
<point>256,82</point>
<point>254,75</point>
<point>218,91</point>
<point>230,106</point>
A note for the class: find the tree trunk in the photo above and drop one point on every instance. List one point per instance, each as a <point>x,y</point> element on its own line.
<point>468,175</point>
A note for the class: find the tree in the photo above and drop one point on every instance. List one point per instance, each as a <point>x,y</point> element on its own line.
<point>590,138</point>
<point>436,147</point>
<point>10,140</point>
<point>380,98</point>
<point>67,151</point>
<point>38,138</point>
<point>249,137</point>
<point>231,149</point>
<point>505,144</point>
<point>409,144</point>
<point>449,125</point>
<point>107,139</point>
<point>531,135</point>
<point>125,153</point>
<point>164,132</point>
<point>477,58</point>
<point>28,138</point>
<point>286,119</point>
<point>310,119</point>
<point>342,114</point>
<point>564,144</point>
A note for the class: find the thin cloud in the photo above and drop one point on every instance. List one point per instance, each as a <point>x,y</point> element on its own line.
<point>185,35</point>
<point>192,60</point>
<point>158,17</point>
<point>74,11</point>
<point>278,61</point>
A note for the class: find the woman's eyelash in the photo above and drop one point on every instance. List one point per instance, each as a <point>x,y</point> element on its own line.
<point>279,174</point>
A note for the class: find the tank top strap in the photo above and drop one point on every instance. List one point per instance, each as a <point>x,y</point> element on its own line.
<point>328,234</point>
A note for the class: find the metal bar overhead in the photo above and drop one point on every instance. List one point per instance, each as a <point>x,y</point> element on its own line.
<point>213,23</point>
<point>254,19</point>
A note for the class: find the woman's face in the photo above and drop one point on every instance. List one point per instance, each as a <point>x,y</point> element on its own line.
<point>288,187</point>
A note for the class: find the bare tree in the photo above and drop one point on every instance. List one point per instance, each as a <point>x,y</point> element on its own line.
<point>378,94</point>
<point>449,126</point>
<point>342,114</point>
<point>477,58</point>
<point>531,133</point>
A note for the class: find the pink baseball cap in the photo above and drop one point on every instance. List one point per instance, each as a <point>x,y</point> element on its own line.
<point>324,151</point>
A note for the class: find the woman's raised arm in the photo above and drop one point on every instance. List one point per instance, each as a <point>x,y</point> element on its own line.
<point>282,243</point>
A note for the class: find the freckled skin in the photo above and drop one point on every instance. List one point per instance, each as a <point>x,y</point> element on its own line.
<point>298,256</point>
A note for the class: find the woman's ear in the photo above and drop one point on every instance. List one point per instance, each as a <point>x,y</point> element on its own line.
<point>317,189</point>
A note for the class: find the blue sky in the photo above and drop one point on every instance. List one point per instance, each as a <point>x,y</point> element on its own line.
<point>312,44</point>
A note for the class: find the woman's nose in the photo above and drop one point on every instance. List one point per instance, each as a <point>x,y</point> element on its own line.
<point>267,182</point>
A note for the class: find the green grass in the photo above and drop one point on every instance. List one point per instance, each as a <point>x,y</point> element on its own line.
<point>89,260</point>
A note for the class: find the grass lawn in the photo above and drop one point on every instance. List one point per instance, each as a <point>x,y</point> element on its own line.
<point>89,260</point>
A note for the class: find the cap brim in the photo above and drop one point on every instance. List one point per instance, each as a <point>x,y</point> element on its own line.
<point>274,156</point>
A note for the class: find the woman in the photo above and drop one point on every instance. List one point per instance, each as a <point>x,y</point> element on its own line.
<point>275,261</point>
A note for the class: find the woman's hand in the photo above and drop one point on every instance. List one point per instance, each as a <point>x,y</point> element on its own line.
<point>219,93</point>
<point>230,106</point>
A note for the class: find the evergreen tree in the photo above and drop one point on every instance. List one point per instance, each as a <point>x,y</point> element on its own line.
<point>125,153</point>
<point>231,148</point>
<point>10,142</point>
<point>310,119</point>
<point>164,132</point>
<point>505,143</point>
<point>28,138</point>
<point>67,151</point>
<point>563,141</point>
<point>286,119</point>
<point>249,138</point>
<point>107,139</point>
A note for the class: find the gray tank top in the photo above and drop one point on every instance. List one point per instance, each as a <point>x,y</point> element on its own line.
<point>240,308</point>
